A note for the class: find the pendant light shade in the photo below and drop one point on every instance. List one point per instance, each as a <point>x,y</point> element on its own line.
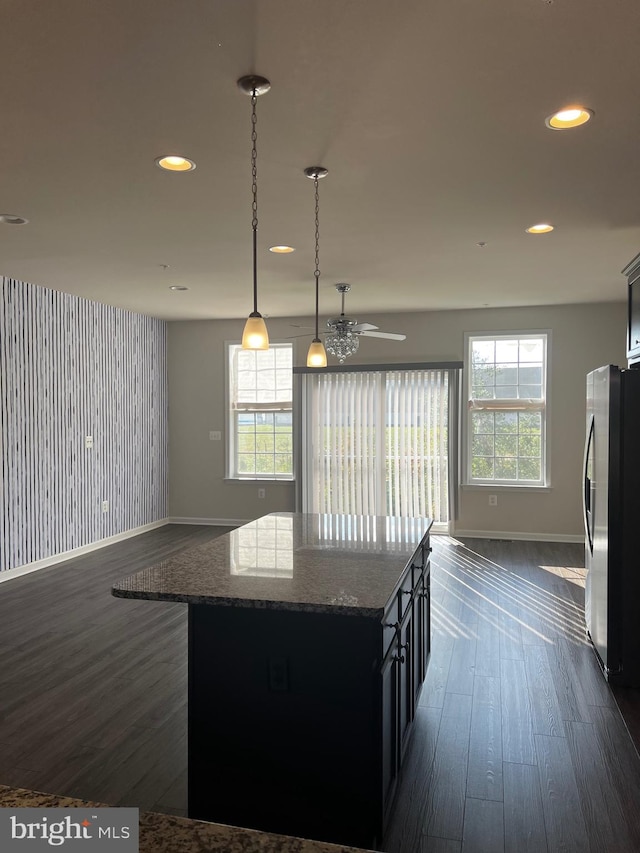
<point>317,356</point>
<point>255,335</point>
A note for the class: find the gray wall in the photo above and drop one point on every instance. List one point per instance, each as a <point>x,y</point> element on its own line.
<point>583,337</point>
<point>71,368</point>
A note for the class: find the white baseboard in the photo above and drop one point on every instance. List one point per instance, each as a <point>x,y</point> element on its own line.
<point>77,552</point>
<point>509,534</point>
<point>214,522</point>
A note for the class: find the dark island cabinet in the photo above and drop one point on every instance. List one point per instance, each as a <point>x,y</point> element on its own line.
<point>298,721</point>
<point>632,271</point>
<point>404,667</point>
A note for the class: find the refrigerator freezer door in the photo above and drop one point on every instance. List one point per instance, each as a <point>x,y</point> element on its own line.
<point>587,487</point>
<point>588,502</point>
<point>604,408</point>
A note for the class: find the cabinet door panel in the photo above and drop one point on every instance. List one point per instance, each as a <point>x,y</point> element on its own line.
<point>427,589</point>
<point>418,640</point>
<point>390,755</point>
<point>405,678</point>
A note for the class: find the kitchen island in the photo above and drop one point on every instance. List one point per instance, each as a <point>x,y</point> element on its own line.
<point>308,645</point>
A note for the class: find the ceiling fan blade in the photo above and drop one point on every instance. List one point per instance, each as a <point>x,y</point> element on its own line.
<point>363,327</point>
<point>389,335</point>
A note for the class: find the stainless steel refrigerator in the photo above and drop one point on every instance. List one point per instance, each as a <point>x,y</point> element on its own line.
<point>611,502</point>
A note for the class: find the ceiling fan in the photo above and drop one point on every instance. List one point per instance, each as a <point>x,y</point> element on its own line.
<point>344,332</point>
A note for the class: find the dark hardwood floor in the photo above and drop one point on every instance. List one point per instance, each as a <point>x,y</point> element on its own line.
<point>518,744</point>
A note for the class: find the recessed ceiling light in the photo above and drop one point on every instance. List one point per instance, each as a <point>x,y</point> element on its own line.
<point>540,228</point>
<point>12,219</point>
<point>175,163</point>
<point>568,117</point>
<point>178,287</point>
<point>281,250</point>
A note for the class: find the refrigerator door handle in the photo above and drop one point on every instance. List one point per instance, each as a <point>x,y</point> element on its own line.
<point>586,489</point>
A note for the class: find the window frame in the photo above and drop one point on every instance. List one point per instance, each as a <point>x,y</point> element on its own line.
<point>231,472</point>
<point>466,410</point>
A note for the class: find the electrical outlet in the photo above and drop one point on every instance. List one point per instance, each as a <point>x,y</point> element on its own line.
<point>493,500</point>
<point>215,435</point>
<point>105,506</point>
<point>88,442</point>
<point>262,493</point>
<point>278,674</point>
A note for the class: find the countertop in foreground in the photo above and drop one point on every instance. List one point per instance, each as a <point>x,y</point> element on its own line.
<point>161,833</point>
<point>347,565</point>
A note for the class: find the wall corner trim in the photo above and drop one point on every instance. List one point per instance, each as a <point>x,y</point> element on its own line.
<point>9,574</point>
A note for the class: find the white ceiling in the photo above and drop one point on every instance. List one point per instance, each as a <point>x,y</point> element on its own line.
<point>429,115</point>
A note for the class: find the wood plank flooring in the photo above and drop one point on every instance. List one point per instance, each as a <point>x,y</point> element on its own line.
<point>93,688</point>
<point>518,744</point>
<point>524,748</point>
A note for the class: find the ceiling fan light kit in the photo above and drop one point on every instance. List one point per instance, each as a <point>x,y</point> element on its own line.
<point>255,335</point>
<point>342,345</point>
<point>317,356</point>
<point>344,335</point>
<point>342,342</point>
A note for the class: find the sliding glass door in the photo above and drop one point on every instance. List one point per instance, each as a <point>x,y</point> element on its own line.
<point>377,443</point>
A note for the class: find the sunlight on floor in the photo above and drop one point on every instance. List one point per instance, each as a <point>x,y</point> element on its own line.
<point>540,604</point>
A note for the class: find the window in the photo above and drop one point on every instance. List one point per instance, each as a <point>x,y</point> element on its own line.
<point>507,397</point>
<point>260,413</point>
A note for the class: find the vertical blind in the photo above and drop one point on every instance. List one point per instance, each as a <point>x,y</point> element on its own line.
<point>377,443</point>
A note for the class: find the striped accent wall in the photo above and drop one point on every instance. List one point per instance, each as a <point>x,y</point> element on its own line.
<point>71,368</point>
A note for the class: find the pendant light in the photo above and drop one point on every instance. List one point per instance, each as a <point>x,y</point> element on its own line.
<point>317,356</point>
<point>255,335</point>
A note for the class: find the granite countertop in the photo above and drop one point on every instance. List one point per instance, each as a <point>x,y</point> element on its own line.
<point>290,561</point>
<point>161,833</point>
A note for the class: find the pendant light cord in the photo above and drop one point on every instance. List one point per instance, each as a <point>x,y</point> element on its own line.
<point>317,270</point>
<point>254,190</point>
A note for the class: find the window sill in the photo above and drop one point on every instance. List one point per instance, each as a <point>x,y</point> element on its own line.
<point>502,487</point>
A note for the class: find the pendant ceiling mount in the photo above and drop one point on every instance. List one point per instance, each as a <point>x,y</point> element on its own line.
<point>314,172</point>
<point>254,84</point>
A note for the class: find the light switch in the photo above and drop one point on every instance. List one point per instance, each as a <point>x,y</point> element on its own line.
<point>215,435</point>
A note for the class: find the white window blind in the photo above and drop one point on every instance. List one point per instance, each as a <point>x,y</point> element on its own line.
<point>377,443</point>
